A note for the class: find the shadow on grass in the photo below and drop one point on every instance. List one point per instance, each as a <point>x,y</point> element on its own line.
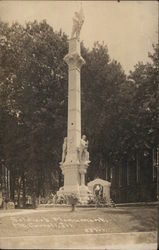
<point>140,219</point>
<point>144,221</point>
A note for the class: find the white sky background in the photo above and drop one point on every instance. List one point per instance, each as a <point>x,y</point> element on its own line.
<point>128,28</point>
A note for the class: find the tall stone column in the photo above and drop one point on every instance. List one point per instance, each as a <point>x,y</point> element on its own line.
<point>75,157</point>
<point>70,167</point>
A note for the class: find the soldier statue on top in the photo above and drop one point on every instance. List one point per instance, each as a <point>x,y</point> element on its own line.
<point>78,21</point>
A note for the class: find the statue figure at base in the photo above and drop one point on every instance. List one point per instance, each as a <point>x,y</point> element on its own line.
<point>64,150</point>
<point>83,150</point>
<point>78,21</point>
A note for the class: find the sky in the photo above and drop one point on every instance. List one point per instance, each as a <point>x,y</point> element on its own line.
<point>128,28</point>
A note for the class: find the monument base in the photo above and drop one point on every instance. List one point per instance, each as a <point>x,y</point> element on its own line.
<point>74,179</point>
<point>81,191</point>
<point>84,194</point>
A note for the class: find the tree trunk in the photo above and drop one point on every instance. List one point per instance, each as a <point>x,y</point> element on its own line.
<point>73,208</point>
<point>19,188</point>
<point>12,185</point>
<point>24,192</point>
<point>34,200</point>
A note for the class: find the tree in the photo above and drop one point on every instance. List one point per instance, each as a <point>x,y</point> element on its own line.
<point>146,78</point>
<point>119,113</point>
<point>33,86</point>
<point>101,83</point>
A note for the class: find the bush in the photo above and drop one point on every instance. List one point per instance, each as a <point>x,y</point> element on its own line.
<point>72,199</point>
<point>61,199</point>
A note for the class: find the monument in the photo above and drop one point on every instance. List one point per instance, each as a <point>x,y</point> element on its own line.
<point>75,156</point>
<point>105,188</point>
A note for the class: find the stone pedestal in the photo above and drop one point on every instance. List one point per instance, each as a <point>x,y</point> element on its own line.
<point>71,178</point>
<point>73,170</point>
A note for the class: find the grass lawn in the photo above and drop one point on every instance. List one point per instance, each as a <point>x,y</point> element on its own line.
<point>61,221</point>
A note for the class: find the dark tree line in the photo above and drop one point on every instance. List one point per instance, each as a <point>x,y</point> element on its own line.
<point>119,112</point>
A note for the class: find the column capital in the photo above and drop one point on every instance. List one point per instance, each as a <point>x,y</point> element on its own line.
<point>74,59</point>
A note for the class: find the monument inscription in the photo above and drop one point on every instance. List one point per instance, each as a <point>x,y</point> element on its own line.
<point>59,224</point>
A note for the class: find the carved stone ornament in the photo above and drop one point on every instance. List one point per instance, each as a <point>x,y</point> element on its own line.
<point>74,59</point>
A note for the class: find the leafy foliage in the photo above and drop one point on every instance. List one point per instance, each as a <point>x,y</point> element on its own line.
<point>119,113</point>
<point>34,95</point>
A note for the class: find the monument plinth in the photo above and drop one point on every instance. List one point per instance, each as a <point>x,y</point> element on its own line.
<point>75,159</point>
